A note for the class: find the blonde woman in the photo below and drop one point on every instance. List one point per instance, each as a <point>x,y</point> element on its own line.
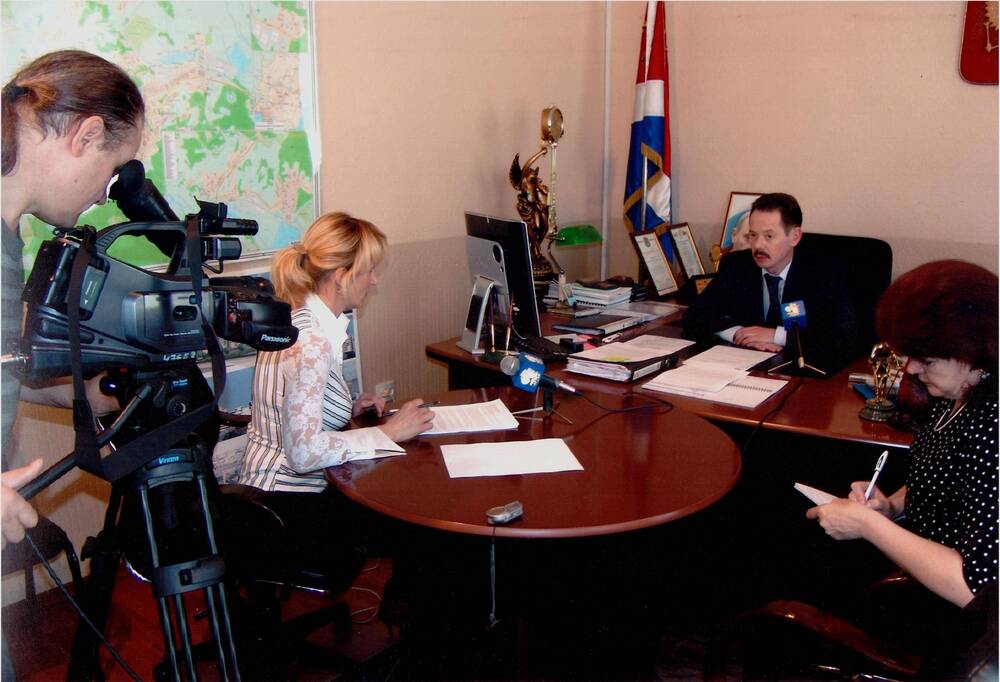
<point>301,403</point>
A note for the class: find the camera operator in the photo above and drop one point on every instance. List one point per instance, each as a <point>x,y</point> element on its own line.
<point>70,120</point>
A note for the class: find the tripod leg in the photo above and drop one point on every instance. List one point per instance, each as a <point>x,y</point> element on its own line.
<point>228,644</point>
<point>94,597</point>
<point>161,602</point>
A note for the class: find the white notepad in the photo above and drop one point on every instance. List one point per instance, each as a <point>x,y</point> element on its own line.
<point>815,494</point>
<point>745,391</point>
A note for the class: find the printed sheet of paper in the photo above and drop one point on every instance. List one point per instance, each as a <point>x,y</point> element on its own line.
<point>473,418</point>
<point>730,356</point>
<point>815,494</point>
<point>645,347</point>
<point>510,458</point>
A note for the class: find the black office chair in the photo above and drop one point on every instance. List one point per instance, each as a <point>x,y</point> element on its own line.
<point>787,639</point>
<point>269,644</point>
<point>50,540</point>
<point>866,266</point>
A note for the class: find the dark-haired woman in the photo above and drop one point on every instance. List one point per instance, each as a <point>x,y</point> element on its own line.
<point>943,316</point>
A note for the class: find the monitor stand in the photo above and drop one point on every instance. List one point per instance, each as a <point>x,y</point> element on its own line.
<point>482,289</point>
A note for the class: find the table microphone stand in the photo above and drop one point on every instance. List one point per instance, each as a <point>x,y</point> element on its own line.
<point>800,362</point>
<point>549,406</point>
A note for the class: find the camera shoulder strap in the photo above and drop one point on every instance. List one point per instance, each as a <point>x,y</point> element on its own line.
<point>85,447</point>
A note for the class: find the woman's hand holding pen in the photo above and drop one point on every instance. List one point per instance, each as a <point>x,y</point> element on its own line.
<point>410,420</point>
<point>366,402</point>
<point>878,501</point>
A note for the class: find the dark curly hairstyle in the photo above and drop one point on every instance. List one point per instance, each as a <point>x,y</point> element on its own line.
<point>944,309</point>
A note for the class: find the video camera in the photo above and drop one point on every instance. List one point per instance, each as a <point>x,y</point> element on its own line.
<point>138,319</point>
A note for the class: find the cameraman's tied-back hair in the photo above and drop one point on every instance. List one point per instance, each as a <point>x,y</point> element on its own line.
<point>791,212</point>
<point>59,89</point>
<point>944,309</point>
<point>335,240</point>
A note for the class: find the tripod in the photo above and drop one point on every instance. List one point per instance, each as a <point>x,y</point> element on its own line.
<point>145,521</point>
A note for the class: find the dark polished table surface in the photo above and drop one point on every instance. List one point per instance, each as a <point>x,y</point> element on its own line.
<point>640,469</point>
<point>826,408</point>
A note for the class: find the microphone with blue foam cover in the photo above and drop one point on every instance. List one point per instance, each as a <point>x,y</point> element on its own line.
<point>527,373</point>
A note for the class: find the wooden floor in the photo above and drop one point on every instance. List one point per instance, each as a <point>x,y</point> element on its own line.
<point>39,638</point>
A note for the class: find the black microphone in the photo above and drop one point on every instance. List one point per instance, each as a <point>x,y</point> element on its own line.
<point>528,373</point>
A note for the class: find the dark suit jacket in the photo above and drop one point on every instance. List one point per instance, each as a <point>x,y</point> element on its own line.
<point>735,297</point>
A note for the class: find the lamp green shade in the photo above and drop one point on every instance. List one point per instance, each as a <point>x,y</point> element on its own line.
<point>578,235</point>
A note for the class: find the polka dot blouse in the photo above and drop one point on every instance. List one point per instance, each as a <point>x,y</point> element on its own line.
<point>951,491</point>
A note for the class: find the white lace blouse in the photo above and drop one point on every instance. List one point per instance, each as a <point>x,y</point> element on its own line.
<point>300,404</point>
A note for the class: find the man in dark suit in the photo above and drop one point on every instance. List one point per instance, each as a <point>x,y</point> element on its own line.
<point>742,303</point>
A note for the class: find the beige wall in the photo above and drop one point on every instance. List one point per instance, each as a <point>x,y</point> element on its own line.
<point>856,108</point>
<point>422,108</point>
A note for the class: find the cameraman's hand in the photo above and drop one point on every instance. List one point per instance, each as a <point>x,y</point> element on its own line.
<point>60,394</point>
<point>410,421</point>
<point>100,403</point>
<point>16,512</point>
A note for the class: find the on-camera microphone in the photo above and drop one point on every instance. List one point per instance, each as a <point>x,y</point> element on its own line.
<point>528,373</point>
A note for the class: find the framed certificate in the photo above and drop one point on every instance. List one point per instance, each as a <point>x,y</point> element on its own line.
<point>651,251</point>
<point>687,250</point>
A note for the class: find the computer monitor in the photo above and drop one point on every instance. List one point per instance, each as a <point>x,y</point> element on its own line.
<point>508,266</point>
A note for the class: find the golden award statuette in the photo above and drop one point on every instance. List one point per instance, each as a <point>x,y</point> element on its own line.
<point>887,367</point>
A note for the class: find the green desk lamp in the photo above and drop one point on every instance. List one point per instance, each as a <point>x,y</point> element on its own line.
<point>571,235</point>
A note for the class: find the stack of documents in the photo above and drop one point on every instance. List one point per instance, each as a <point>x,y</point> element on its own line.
<point>626,361</point>
<point>590,296</point>
<point>720,374</point>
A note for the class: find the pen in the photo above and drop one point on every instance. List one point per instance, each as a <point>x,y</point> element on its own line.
<point>878,468</point>
<point>389,413</point>
<point>510,323</point>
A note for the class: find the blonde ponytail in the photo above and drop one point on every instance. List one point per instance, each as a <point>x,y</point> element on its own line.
<point>335,240</point>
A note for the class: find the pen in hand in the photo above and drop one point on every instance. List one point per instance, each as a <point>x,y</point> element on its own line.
<point>432,403</point>
<point>878,468</point>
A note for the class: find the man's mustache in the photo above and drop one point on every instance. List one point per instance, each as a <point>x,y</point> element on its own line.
<point>761,254</point>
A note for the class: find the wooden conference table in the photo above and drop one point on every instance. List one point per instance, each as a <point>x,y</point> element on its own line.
<point>826,408</point>
<point>641,468</point>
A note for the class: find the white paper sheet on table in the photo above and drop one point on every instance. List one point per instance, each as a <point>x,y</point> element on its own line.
<point>509,458</point>
<point>641,348</point>
<point>729,356</point>
<point>472,418</point>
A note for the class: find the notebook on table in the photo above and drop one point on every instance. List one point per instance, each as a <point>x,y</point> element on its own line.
<point>599,325</point>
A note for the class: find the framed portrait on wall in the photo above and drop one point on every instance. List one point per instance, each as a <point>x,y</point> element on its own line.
<point>735,226</point>
<point>686,250</point>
